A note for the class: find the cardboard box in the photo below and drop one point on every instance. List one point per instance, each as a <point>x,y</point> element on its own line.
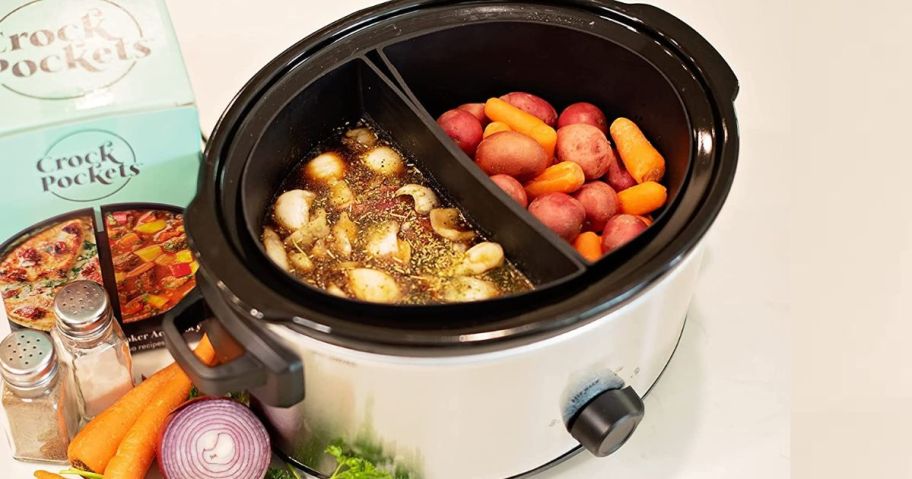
<point>100,150</point>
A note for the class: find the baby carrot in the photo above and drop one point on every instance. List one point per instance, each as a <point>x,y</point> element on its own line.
<point>97,442</point>
<point>589,245</point>
<point>641,159</point>
<point>496,127</point>
<point>564,177</point>
<point>522,122</point>
<point>137,449</point>
<point>642,199</point>
<point>47,475</point>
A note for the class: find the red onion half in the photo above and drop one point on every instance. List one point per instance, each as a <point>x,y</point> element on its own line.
<point>213,439</point>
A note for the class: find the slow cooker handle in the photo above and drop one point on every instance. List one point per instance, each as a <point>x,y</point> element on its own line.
<point>701,52</point>
<point>275,383</point>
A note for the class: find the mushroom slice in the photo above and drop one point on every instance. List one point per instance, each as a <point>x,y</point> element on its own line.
<point>445,222</point>
<point>374,286</point>
<point>344,233</point>
<point>317,228</point>
<point>325,168</point>
<point>340,195</point>
<point>301,262</point>
<point>362,137</point>
<point>275,249</point>
<point>425,199</point>
<point>384,160</point>
<point>481,258</point>
<point>463,289</point>
<point>292,209</point>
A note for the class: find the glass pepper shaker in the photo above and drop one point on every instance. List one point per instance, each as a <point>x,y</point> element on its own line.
<point>92,346</point>
<point>39,405</point>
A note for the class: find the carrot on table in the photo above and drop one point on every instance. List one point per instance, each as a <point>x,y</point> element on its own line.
<point>642,199</point>
<point>564,177</point>
<point>47,475</point>
<point>641,159</point>
<point>496,127</point>
<point>522,122</point>
<point>98,441</point>
<point>589,245</point>
<point>137,448</point>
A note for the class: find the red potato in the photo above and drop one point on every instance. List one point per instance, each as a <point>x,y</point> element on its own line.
<point>476,110</point>
<point>463,128</point>
<point>583,113</point>
<point>533,105</point>
<point>513,154</point>
<point>513,188</point>
<point>620,230</point>
<point>601,203</point>
<point>560,212</point>
<point>586,146</point>
<point>617,176</point>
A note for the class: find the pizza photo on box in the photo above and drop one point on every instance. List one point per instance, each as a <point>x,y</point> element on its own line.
<point>39,262</point>
<point>153,266</point>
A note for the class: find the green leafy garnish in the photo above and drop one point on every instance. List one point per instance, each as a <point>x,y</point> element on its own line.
<point>279,473</point>
<point>78,472</point>
<point>242,397</point>
<point>352,467</point>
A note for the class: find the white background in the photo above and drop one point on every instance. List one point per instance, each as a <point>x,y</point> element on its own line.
<point>812,244</point>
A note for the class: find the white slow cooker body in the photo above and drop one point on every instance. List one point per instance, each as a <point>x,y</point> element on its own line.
<point>485,416</point>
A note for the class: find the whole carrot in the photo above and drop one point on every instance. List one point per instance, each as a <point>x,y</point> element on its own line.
<point>642,199</point>
<point>137,449</point>
<point>641,159</point>
<point>564,177</point>
<point>522,122</point>
<point>97,442</point>
<point>47,475</point>
<point>589,246</point>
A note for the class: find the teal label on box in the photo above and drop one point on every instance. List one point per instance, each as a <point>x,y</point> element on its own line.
<point>140,158</point>
<point>94,44</point>
<point>63,60</point>
<point>87,165</point>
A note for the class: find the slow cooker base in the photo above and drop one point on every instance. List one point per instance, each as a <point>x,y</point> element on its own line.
<point>525,475</point>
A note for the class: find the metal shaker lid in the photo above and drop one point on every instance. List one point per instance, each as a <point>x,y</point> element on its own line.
<point>83,309</point>
<point>27,359</point>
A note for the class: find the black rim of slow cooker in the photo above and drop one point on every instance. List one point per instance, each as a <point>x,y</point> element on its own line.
<point>587,302</point>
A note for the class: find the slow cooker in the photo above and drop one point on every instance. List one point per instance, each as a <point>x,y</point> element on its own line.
<point>486,390</point>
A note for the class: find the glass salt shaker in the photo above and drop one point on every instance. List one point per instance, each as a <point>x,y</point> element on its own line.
<point>92,346</point>
<point>40,413</point>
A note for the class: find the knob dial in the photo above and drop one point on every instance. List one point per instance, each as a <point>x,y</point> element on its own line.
<point>606,422</point>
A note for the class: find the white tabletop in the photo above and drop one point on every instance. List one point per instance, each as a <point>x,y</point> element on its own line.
<point>721,410</point>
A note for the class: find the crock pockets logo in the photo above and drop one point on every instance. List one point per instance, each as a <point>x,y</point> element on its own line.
<point>65,49</point>
<point>87,166</point>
